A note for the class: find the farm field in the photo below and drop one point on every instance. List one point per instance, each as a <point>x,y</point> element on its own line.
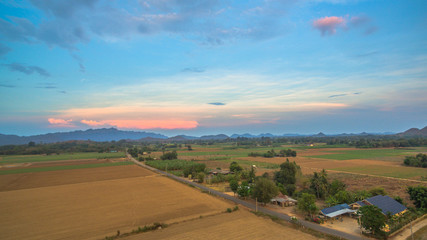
<point>97,208</point>
<point>42,163</point>
<point>237,225</point>
<point>65,156</point>
<point>357,168</point>
<point>379,162</point>
<point>61,177</point>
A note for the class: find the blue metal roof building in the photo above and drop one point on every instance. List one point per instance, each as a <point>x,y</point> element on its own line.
<point>337,210</point>
<point>386,204</point>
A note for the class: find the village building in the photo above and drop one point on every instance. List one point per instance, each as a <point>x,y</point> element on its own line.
<point>283,200</point>
<point>387,205</point>
<point>337,210</point>
<point>219,171</point>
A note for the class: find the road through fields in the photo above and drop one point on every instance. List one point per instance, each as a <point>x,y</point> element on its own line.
<point>252,206</point>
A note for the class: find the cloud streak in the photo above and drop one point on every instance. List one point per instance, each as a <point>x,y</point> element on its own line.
<point>330,25</point>
<point>58,122</point>
<point>217,103</point>
<point>17,67</point>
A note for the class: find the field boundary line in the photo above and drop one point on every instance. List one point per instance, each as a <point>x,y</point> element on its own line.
<point>370,175</point>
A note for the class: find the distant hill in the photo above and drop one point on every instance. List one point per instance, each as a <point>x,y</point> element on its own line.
<point>98,135</point>
<point>414,132</point>
<point>113,134</point>
<point>214,137</point>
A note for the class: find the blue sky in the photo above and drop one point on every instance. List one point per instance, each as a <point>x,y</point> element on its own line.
<point>207,67</point>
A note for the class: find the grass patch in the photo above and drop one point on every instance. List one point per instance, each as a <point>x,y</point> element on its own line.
<point>144,229</point>
<point>172,164</point>
<point>372,154</point>
<point>65,167</point>
<point>65,156</point>
<point>397,172</point>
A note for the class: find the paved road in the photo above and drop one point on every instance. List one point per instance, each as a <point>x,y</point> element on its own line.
<point>252,206</point>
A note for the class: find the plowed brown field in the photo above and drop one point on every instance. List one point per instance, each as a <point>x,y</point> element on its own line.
<point>93,210</point>
<point>55,178</point>
<point>236,225</point>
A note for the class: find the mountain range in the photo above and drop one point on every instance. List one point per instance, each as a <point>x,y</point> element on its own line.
<point>113,134</point>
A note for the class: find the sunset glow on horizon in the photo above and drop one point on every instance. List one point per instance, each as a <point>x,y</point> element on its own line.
<point>210,67</point>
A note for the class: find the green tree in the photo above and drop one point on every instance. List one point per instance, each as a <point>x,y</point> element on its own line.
<point>264,190</point>
<point>244,189</point>
<point>336,186</point>
<point>319,183</point>
<point>169,155</point>
<point>290,189</point>
<point>372,219</point>
<point>307,203</point>
<point>344,197</point>
<point>331,201</point>
<point>418,194</point>
<point>234,167</point>
<point>287,173</point>
<point>360,195</point>
<point>234,185</point>
<point>201,177</point>
<point>377,191</point>
<point>252,175</point>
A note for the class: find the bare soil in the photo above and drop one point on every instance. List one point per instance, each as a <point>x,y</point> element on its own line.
<point>18,181</point>
<point>93,210</point>
<point>237,225</point>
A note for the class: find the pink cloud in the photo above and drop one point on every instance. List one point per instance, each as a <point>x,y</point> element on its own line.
<point>329,25</point>
<point>60,122</point>
<point>92,123</point>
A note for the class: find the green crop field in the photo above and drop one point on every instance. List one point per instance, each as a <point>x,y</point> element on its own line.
<point>372,154</point>
<point>63,167</point>
<point>238,152</point>
<point>397,172</point>
<point>65,156</point>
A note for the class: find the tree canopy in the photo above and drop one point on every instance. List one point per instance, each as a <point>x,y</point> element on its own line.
<point>372,219</point>
<point>287,173</point>
<point>264,190</point>
<point>418,194</point>
<point>319,183</point>
<point>235,167</point>
<point>307,203</point>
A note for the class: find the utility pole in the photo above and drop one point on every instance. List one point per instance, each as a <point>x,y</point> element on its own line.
<point>256,204</point>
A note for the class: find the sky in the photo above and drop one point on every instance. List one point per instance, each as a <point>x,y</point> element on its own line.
<point>212,66</point>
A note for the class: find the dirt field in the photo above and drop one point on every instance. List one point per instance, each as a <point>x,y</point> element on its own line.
<point>54,178</point>
<point>95,209</point>
<point>57,163</point>
<point>237,225</point>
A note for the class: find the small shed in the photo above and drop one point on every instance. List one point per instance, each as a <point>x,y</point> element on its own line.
<point>283,200</point>
<point>337,210</point>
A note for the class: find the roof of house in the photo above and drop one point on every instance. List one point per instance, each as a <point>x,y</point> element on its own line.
<point>337,210</point>
<point>283,198</point>
<point>361,203</point>
<point>386,204</point>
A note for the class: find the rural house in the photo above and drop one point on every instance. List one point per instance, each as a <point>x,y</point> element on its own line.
<point>337,210</point>
<point>385,203</point>
<point>283,200</point>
